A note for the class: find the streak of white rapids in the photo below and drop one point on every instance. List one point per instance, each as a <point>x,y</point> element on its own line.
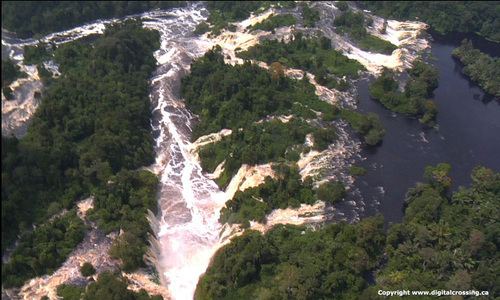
<point>189,231</point>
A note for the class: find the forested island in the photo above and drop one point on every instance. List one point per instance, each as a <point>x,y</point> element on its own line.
<point>415,99</point>
<point>480,67</point>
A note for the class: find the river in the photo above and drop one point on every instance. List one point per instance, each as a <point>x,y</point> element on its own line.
<point>467,135</point>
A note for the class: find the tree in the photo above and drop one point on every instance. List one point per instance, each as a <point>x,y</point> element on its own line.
<point>331,192</point>
<point>276,70</point>
<point>87,269</point>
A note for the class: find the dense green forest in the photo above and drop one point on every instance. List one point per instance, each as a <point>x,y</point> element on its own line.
<point>444,242</point>
<point>262,143</point>
<point>10,73</point>
<point>108,286</point>
<point>28,18</point>
<point>287,190</point>
<point>37,54</point>
<point>43,250</point>
<point>480,67</point>
<point>93,122</point>
<point>354,25</point>
<point>224,12</point>
<point>274,22</point>
<point>238,97</point>
<point>312,54</point>
<point>482,17</point>
<point>415,100</point>
<point>254,204</point>
<point>123,204</point>
<point>309,15</point>
<point>226,96</point>
<point>293,262</point>
<point>368,126</point>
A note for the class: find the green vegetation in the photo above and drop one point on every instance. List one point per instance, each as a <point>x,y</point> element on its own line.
<point>108,286</point>
<point>445,17</point>
<point>286,190</point>
<point>293,262</point>
<point>353,24</point>
<point>27,18</point>
<point>34,55</point>
<point>309,16</point>
<point>10,72</point>
<point>43,250</point>
<point>444,242</point>
<point>368,126</point>
<point>261,143</point>
<point>123,204</point>
<point>255,203</point>
<point>273,22</point>
<point>202,28</point>
<point>93,122</point>
<point>314,55</point>
<point>234,97</point>
<point>357,171</point>
<point>70,292</point>
<point>87,269</point>
<point>480,67</point>
<point>224,12</point>
<point>332,192</point>
<point>414,100</point>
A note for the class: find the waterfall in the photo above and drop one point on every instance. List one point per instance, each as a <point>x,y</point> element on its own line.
<point>188,229</point>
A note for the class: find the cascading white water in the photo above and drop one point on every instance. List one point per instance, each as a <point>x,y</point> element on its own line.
<point>189,231</point>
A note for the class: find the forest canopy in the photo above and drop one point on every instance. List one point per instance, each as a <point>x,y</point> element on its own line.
<point>311,54</point>
<point>482,17</point>
<point>480,67</point>
<point>92,126</point>
<point>415,100</point>
<point>28,18</point>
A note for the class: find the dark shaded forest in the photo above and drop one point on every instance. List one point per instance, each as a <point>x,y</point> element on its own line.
<point>480,67</point>
<point>93,123</point>
<point>444,17</point>
<point>29,18</point>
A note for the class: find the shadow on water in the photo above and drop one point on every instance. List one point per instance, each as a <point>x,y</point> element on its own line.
<point>467,135</point>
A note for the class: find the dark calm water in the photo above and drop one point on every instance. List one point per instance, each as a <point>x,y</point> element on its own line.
<point>468,135</point>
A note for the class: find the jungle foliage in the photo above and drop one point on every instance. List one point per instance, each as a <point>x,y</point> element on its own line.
<point>445,241</point>
<point>480,67</point>
<point>414,101</point>
<point>92,125</point>
<point>27,18</point>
